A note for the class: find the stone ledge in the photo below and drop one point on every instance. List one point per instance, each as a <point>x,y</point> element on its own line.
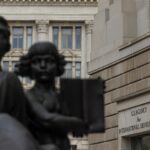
<point>50,2</point>
<point>128,91</point>
<point>137,60</point>
<point>109,135</point>
<point>128,78</point>
<point>131,90</point>
<point>117,56</point>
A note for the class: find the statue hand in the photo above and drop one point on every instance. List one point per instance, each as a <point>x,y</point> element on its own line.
<point>82,128</point>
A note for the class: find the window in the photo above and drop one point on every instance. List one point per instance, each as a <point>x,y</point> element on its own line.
<point>13,65</point>
<point>78,70</point>
<point>5,66</point>
<point>8,65</point>
<point>29,36</point>
<point>55,35</point>
<point>78,37</point>
<point>22,37</point>
<point>66,42</point>
<point>17,37</point>
<point>72,72</point>
<point>68,71</point>
<point>67,37</point>
<point>140,143</point>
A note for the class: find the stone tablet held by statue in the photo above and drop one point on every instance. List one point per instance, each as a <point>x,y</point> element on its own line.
<point>83,98</point>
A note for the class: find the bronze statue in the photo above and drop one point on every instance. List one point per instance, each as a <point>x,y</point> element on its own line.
<point>13,118</point>
<point>42,64</point>
<point>10,95</point>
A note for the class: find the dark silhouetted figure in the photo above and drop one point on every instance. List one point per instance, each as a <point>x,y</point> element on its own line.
<point>43,64</point>
<point>13,134</point>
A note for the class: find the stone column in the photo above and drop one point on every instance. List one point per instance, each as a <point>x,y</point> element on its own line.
<point>88,31</point>
<point>42,30</point>
<point>83,54</point>
<point>89,28</point>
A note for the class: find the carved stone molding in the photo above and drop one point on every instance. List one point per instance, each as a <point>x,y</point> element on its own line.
<point>89,26</point>
<point>42,26</point>
<point>50,2</point>
<point>15,53</point>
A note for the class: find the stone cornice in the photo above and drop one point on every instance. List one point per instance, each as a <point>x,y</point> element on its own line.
<point>49,2</point>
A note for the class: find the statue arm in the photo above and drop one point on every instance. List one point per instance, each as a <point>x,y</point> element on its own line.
<point>53,119</point>
<point>12,97</point>
<point>37,109</point>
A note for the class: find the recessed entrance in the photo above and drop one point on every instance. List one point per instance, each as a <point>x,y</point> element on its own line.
<point>140,143</point>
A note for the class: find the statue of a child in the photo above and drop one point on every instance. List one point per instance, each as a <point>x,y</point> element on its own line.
<point>43,63</point>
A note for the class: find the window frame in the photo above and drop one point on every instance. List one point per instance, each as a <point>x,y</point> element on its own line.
<point>63,37</point>
<point>17,37</point>
<point>67,25</point>
<point>24,25</point>
<point>64,75</point>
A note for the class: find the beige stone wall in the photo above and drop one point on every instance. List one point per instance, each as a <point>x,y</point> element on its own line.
<point>108,28</point>
<point>118,22</point>
<point>121,56</point>
<point>125,79</point>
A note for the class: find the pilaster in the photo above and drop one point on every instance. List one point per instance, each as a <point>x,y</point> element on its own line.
<point>88,33</point>
<point>89,29</point>
<point>42,30</point>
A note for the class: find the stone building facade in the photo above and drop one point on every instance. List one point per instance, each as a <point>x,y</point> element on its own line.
<point>67,23</point>
<point>121,56</point>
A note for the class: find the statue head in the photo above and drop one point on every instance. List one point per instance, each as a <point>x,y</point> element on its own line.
<point>4,36</point>
<point>42,62</point>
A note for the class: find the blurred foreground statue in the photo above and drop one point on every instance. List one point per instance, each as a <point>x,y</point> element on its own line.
<point>13,132</point>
